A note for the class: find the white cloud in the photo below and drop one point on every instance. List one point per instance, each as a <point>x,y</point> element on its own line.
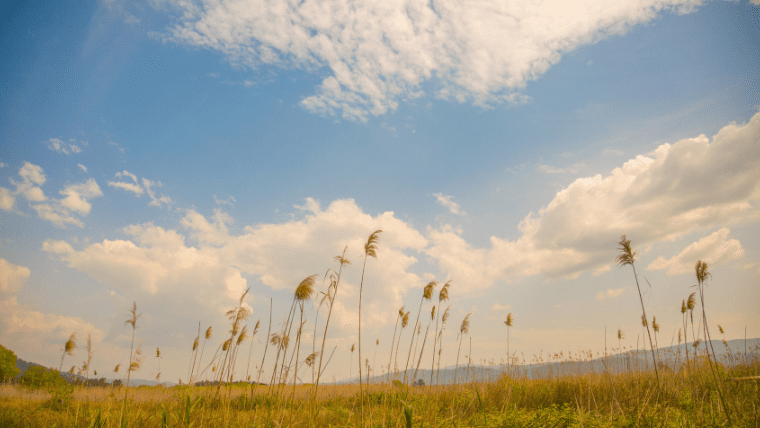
<point>611,293</point>
<point>76,196</point>
<point>59,146</point>
<point>12,278</point>
<point>155,200</point>
<point>31,178</point>
<point>229,201</point>
<point>138,187</point>
<point>82,167</point>
<point>159,267</point>
<point>693,184</point>
<point>381,52</point>
<point>712,249</point>
<point>118,147</point>
<point>445,200</point>
<point>27,328</point>
<point>3,165</point>
<point>497,307</point>
<point>571,169</point>
<point>59,212</point>
<point>7,200</point>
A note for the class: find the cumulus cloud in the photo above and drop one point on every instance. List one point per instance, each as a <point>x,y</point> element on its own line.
<point>12,278</point>
<point>140,186</point>
<point>32,177</point>
<point>77,195</point>
<point>206,272</point>
<point>22,325</point>
<point>379,53</point>
<point>59,146</point>
<point>712,249</point>
<point>59,212</point>
<point>445,200</point>
<point>693,184</point>
<point>7,200</point>
<point>611,293</point>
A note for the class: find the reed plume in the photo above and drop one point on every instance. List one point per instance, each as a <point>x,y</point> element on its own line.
<point>393,340</point>
<point>702,275</point>
<point>464,328</point>
<point>628,257</point>
<point>443,296</point>
<point>69,348</point>
<point>508,323</point>
<point>332,292</point>
<point>370,250</point>
<point>427,294</point>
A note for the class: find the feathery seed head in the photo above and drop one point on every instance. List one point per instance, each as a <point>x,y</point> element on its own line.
<point>132,320</point>
<point>305,289</point>
<point>226,344</point>
<point>444,294</point>
<point>405,320</point>
<point>427,292</point>
<point>195,343</point>
<point>209,331</point>
<point>353,346</point>
<point>71,344</point>
<point>158,353</point>
<point>508,322</point>
<point>310,359</point>
<point>116,369</point>
<point>243,335</point>
<point>275,340</point>
<point>432,313</point>
<point>401,312</point>
<point>692,301</point>
<point>620,334</point>
<point>465,327</point>
<point>702,272</point>
<point>256,328</point>
<point>720,329</point>
<point>643,321</point>
<point>342,258</point>
<point>370,248</point>
<point>655,326</point>
<point>683,306</point>
<point>627,256</point>
<point>445,316</point>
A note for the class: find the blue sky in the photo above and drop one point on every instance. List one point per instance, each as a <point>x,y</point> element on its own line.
<point>174,153</point>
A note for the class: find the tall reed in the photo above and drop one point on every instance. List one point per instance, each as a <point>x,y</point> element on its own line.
<point>427,294</point>
<point>370,250</point>
<point>627,257</point>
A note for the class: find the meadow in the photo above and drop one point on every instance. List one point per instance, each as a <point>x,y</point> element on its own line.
<point>695,387</point>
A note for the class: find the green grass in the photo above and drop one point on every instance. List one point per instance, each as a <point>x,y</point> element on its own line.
<point>572,401</point>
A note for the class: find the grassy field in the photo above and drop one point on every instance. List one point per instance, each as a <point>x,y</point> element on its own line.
<point>688,397</point>
<point>696,388</point>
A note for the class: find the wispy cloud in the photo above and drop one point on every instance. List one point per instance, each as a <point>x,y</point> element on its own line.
<point>140,186</point>
<point>611,293</point>
<point>379,53</point>
<point>82,167</point>
<point>570,169</point>
<point>59,146</point>
<point>118,147</point>
<point>445,200</point>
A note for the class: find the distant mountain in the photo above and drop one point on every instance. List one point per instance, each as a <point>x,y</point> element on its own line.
<point>671,356</point>
<point>23,366</point>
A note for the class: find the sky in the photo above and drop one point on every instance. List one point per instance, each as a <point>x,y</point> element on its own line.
<point>174,153</point>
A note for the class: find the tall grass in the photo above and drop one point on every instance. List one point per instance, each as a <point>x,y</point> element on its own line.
<point>699,391</point>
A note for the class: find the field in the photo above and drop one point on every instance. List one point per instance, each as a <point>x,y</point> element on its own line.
<point>626,388</point>
<point>687,397</point>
